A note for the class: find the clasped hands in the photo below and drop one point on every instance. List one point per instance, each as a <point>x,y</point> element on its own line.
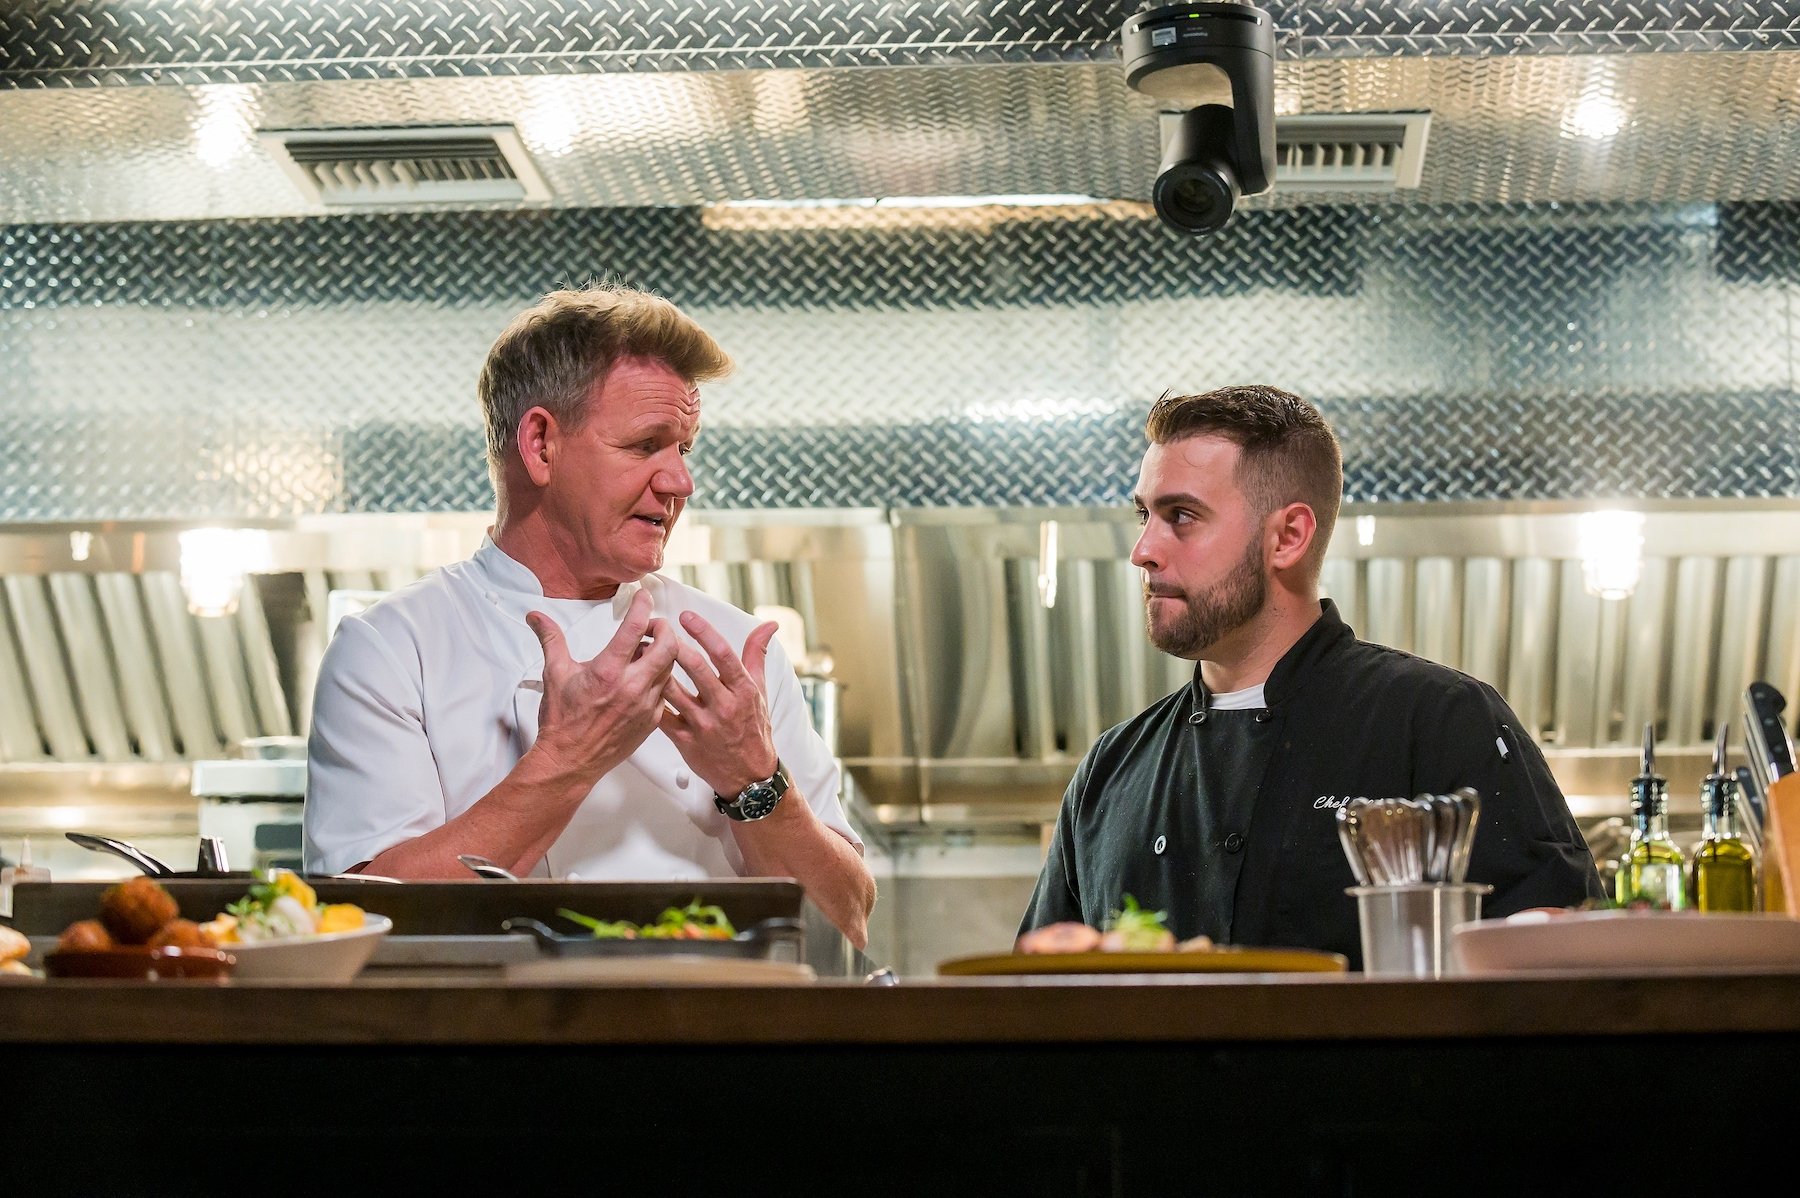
<point>596,713</point>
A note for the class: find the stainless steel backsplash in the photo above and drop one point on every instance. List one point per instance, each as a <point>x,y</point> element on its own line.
<point>276,368</point>
<point>977,655</point>
<point>962,381</point>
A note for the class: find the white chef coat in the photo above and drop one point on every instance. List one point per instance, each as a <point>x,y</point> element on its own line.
<point>427,699</point>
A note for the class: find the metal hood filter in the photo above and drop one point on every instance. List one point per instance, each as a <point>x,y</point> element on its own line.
<point>137,110</point>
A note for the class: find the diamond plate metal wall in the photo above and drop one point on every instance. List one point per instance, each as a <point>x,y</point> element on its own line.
<point>50,43</point>
<point>266,369</point>
<point>1504,129</point>
<point>117,110</point>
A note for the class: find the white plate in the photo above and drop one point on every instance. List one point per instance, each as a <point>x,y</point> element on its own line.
<point>1629,940</point>
<point>333,957</point>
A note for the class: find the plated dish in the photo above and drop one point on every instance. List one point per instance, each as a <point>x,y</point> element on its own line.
<point>278,929</point>
<point>1134,939</point>
<point>696,930</point>
<point>1628,940</point>
<point>321,957</point>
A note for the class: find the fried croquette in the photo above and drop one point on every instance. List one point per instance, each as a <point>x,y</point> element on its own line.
<point>134,909</point>
<point>87,936</point>
<point>182,933</point>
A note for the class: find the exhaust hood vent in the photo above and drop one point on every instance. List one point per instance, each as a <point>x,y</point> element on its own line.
<point>1350,151</point>
<point>359,168</point>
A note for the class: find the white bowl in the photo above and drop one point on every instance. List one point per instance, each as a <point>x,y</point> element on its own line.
<point>333,957</point>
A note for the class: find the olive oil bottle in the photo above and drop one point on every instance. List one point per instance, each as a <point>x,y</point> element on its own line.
<point>1652,870</point>
<point>1722,876</point>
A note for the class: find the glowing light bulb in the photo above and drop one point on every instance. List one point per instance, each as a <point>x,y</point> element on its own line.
<point>215,563</point>
<point>1597,116</point>
<point>1612,552</point>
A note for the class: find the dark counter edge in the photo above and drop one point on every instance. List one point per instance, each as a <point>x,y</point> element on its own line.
<point>922,1012</point>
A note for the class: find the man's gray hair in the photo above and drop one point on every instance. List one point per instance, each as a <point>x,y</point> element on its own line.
<point>556,352</point>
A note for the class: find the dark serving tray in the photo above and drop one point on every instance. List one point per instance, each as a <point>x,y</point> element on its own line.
<point>767,940</point>
<point>472,908</point>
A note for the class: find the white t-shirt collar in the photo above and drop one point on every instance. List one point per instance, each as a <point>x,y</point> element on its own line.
<point>1237,700</point>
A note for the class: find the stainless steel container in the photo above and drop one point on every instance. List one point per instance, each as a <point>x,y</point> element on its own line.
<point>822,701</point>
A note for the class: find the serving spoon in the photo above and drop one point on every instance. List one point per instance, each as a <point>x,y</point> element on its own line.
<point>215,851</point>
<point>487,869</point>
<point>1469,809</point>
<point>118,848</point>
<point>1349,822</point>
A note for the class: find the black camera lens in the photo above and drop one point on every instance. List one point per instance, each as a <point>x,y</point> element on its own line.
<point>1196,197</point>
<point>1210,67</point>
<point>1197,189</point>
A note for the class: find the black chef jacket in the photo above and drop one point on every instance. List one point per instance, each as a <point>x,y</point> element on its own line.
<point>1227,820</point>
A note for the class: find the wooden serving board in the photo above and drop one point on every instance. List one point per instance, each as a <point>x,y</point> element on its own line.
<point>1781,846</point>
<point>1217,960</point>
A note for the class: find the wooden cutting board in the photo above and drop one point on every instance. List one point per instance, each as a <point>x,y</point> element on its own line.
<point>1781,846</point>
<point>1225,959</point>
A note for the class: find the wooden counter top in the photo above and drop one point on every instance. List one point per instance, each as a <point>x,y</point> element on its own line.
<point>1281,1085</point>
<point>1147,1010</point>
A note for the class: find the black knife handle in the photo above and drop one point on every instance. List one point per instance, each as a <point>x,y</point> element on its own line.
<point>1770,738</point>
<point>1751,804</point>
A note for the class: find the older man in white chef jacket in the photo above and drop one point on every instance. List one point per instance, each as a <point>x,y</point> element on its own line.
<point>553,703</point>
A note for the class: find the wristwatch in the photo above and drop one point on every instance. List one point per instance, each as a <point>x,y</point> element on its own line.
<point>757,800</point>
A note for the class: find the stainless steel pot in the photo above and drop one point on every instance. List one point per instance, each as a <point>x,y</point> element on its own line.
<point>822,700</point>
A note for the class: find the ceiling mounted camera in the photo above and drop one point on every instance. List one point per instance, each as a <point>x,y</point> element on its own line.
<point>1212,69</point>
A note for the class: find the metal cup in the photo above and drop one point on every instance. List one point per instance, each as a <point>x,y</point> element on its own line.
<point>1406,929</point>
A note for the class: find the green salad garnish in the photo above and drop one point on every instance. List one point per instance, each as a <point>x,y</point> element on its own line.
<point>262,896</point>
<point>692,922</point>
<point>1136,927</point>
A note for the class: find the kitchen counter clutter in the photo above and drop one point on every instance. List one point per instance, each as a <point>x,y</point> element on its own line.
<point>490,929</point>
<point>444,1056</point>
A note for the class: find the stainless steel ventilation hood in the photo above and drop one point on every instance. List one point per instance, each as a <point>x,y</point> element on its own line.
<point>979,651</point>
<point>142,110</point>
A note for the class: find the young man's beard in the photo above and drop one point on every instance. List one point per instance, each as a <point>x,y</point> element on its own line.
<point>1222,609</point>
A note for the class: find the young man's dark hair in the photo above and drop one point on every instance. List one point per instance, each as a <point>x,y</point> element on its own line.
<point>1290,453</point>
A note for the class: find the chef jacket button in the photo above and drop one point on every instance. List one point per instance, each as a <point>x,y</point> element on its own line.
<point>1234,842</point>
<point>1162,842</point>
<point>1264,716</point>
<point>1199,717</point>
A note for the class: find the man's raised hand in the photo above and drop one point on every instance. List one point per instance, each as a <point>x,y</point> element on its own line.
<point>721,727</point>
<point>596,713</point>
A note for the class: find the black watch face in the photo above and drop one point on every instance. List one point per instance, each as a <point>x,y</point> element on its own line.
<point>758,801</point>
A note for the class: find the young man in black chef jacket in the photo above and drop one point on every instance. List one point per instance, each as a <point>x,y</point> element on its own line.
<point>1219,803</point>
